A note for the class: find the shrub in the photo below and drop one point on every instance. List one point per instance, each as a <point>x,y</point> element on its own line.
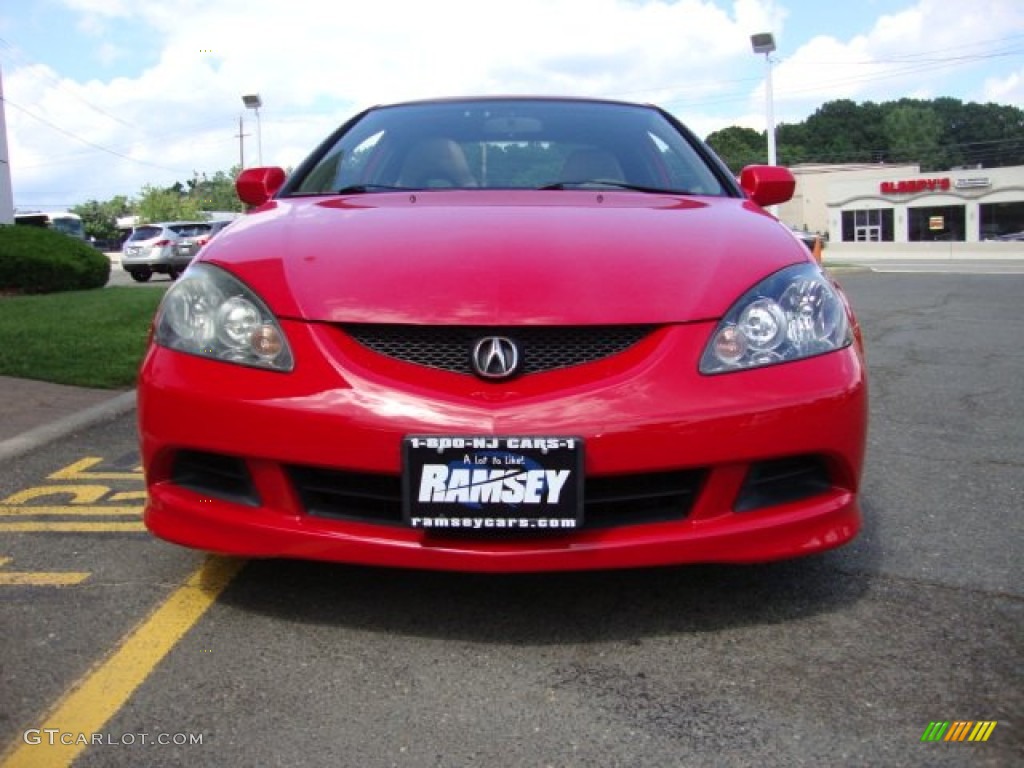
<point>37,260</point>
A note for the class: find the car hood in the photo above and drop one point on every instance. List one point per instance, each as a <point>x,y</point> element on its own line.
<point>493,258</point>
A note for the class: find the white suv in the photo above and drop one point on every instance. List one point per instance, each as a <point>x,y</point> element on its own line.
<point>153,248</point>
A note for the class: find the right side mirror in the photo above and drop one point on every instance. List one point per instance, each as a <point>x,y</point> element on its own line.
<point>767,184</point>
<point>255,186</point>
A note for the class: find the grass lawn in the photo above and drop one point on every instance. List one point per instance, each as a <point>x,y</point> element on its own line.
<point>86,338</point>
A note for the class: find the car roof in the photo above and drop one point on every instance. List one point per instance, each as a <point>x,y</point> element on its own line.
<point>514,98</point>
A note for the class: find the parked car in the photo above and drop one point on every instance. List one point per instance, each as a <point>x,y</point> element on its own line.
<point>153,248</point>
<point>809,239</point>
<point>506,334</point>
<point>189,246</point>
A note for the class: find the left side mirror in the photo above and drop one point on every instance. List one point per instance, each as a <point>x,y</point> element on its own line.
<point>767,184</point>
<point>255,186</point>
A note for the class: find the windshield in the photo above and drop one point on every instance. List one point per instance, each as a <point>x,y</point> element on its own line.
<point>68,225</point>
<point>509,144</point>
<point>145,233</point>
<point>189,230</point>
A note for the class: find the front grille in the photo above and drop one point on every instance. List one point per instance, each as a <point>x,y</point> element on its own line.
<point>212,474</point>
<point>634,499</point>
<point>359,496</point>
<point>609,501</point>
<point>782,480</point>
<point>542,348</point>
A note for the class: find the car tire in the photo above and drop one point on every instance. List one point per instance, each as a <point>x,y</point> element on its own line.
<point>141,275</point>
<point>174,273</point>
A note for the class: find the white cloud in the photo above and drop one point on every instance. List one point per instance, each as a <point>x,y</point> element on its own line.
<point>315,62</point>
<point>1006,90</point>
<point>925,50</point>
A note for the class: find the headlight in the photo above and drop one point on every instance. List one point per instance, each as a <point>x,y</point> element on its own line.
<point>793,314</point>
<point>209,313</point>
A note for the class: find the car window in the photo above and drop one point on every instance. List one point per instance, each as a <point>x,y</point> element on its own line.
<point>189,230</point>
<point>519,144</point>
<point>145,233</point>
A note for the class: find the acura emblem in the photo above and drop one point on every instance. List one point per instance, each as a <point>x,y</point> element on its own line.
<point>495,357</point>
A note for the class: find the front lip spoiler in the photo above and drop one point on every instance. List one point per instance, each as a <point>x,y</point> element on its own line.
<point>810,527</point>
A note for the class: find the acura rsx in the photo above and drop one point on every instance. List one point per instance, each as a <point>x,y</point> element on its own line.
<point>506,334</point>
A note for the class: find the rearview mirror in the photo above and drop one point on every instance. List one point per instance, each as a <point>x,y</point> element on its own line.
<point>255,186</point>
<point>767,184</point>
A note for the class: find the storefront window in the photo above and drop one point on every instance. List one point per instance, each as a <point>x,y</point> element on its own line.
<point>874,226</point>
<point>940,222</point>
<point>1001,219</point>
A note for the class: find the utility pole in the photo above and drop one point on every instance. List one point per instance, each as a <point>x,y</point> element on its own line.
<point>241,144</point>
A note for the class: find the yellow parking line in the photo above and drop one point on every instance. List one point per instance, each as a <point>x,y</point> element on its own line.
<point>79,471</point>
<point>38,578</point>
<point>80,494</point>
<point>78,511</point>
<point>97,697</point>
<point>71,527</point>
<point>41,579</point>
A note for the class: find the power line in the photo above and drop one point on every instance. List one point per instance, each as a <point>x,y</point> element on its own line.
<point>86,141</point>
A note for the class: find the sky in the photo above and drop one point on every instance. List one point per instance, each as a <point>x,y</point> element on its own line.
<point>102,97</point>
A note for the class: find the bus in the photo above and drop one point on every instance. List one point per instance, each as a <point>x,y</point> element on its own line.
<point>59,221</point>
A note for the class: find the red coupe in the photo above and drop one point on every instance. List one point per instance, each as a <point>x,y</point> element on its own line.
<point>506,334</point>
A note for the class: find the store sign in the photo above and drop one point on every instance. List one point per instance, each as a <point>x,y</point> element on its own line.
<point>913,186</point>
<point>975,183</point>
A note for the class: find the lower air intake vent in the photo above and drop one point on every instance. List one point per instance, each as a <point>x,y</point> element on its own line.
<point>212,474</point>
<point>783,480</point>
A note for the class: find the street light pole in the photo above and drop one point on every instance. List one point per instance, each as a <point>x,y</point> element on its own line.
<point>764,43</point>
<point>252,101</point>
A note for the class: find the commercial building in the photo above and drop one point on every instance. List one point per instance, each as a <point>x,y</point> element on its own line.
<point>877,204</point>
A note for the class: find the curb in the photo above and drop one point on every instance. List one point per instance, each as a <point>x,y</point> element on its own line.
<point>40,436</point>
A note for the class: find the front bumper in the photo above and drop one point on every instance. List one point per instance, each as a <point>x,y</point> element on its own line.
<point>643,411</point>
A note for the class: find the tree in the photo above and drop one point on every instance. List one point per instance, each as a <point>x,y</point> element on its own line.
<point>100,219</point>
<point>913,134</point>
<point>739,147</point>
<point>216,193</point>
<point>938,134</point>
<point>168,204</point>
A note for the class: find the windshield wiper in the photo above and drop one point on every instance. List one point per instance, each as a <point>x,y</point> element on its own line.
<point>609,183</point>
<point>359,189</point>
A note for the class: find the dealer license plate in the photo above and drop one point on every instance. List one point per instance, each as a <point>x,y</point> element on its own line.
<point>493,484</point>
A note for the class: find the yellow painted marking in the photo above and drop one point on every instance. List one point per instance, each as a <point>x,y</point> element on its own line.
<point>71,527</point>
<point>40,579</point>
<point>79,471</point>
<point>80,494</point>
<point>98,696</point>
<point>29,511</point>
<point>129,496</point>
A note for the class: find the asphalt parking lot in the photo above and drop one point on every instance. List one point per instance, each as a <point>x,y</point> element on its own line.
<point>841,659</point>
